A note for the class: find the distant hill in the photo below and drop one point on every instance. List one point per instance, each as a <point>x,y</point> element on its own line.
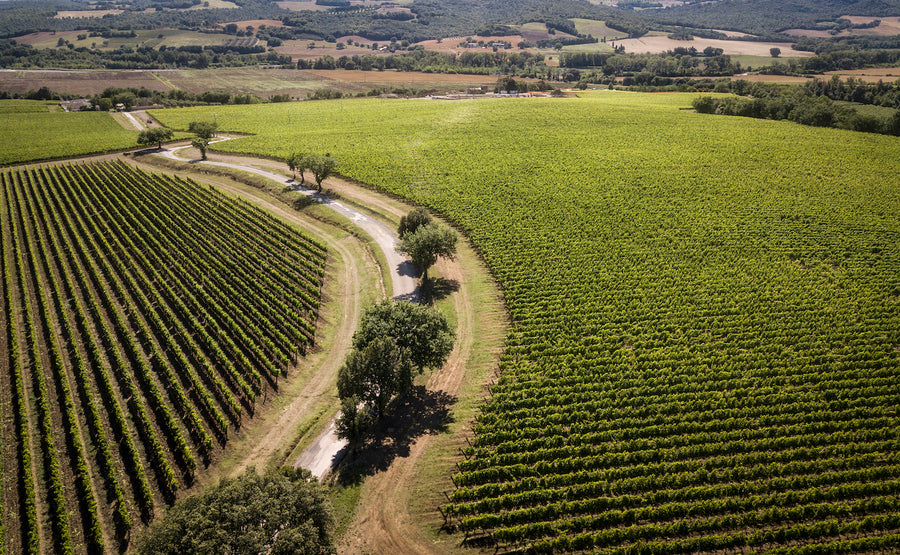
<point>767,17</point>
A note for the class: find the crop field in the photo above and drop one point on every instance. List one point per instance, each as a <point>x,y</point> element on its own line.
<point>40,136</point>
<point>28,106</point>
<point>705,344</point>
<point>143,317</point>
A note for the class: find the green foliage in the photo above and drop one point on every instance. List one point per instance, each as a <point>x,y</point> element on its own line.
<point>702,351</point>
<point>393,340</point>
<point>298,162</point>
<point>421,333</point>
<point>412,221</point>
<point>284,512</point>
<point>372,374</point>
<point>428,243</point>
<point>204,131</point>
<point>768,17</point>
<point>155,135</point>
<point>33,136</point>
<point>321,166</point>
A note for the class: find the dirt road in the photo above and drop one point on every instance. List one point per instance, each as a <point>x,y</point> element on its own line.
<point>325,451</point>
<point>391,515</point>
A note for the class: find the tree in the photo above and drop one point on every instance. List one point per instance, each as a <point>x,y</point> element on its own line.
<point>371,375</point>
<point>413,221</point>
<point>322,167</point>
<point>284,511</point>
<point>421,333</point>
<point>154,135</point>
<point>204,131</point>
<point>392,342</point>
<point>427,244</point>
<point>775,52</point>
<point>298,163</point>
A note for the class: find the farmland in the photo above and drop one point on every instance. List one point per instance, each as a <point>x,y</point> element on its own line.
<point>705,319</point>
<point>39,136</point>
<point>144,317</point>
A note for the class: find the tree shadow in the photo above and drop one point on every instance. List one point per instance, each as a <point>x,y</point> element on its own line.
<point>407,268</point>
<point>420,413</point>
<point>437,288</point>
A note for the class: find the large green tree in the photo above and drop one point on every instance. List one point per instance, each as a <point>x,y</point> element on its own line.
<point>428,243</point>
<point>204,131</point>
<point>392,343</point>
<point>373,374</point>
<point>285,511</point>
<point>422,334</point>
<point>322,167</point>
<point>154,135</point>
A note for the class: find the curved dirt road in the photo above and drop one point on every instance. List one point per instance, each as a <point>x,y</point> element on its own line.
<point>389,516</point>
<point>326,450</point>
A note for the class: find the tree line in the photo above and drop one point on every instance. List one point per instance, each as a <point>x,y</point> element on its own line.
<point>24,56</point>
<point>395,341</point>
<point>818,111</point>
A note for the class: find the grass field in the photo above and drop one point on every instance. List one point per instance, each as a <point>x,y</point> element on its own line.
<point>40,136</point>
<point>705,318</point>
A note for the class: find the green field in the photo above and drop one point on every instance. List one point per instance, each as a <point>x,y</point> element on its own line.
<point>705,317</point>
<point>144,317</point>
<point>40,136</point>
<point>27,106</point>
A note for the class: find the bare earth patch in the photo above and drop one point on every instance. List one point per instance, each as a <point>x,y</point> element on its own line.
<point>76,82</point>
<point>399,77</point>
<point>659,44</point>
<point>872,75</point>
<point>73,14</point>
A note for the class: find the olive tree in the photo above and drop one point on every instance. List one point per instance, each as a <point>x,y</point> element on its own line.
<point>298,162</point>
<point>428,243</point>
<point>154,135</point>
<point>204,131</point>
<point>322,167</point>
<point>415,219</point>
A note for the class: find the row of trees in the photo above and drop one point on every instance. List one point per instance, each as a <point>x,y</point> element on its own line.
<point>395,341</point>
<point>818,111</point>
<point>321,167</point>
<point>204,132</point>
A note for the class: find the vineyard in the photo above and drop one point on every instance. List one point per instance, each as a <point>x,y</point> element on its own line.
<point>705,350</point>
<point>144,315</point>
<point>40,136</point>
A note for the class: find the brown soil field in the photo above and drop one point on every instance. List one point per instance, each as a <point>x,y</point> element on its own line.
<point>34,38</point>
<point>262,82</point>
<point>256,23</point>
<point>872,75</point>
<point>85,13</point>
<point>658,44</point>
<point>401,78</point>
<point>77,82</point>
